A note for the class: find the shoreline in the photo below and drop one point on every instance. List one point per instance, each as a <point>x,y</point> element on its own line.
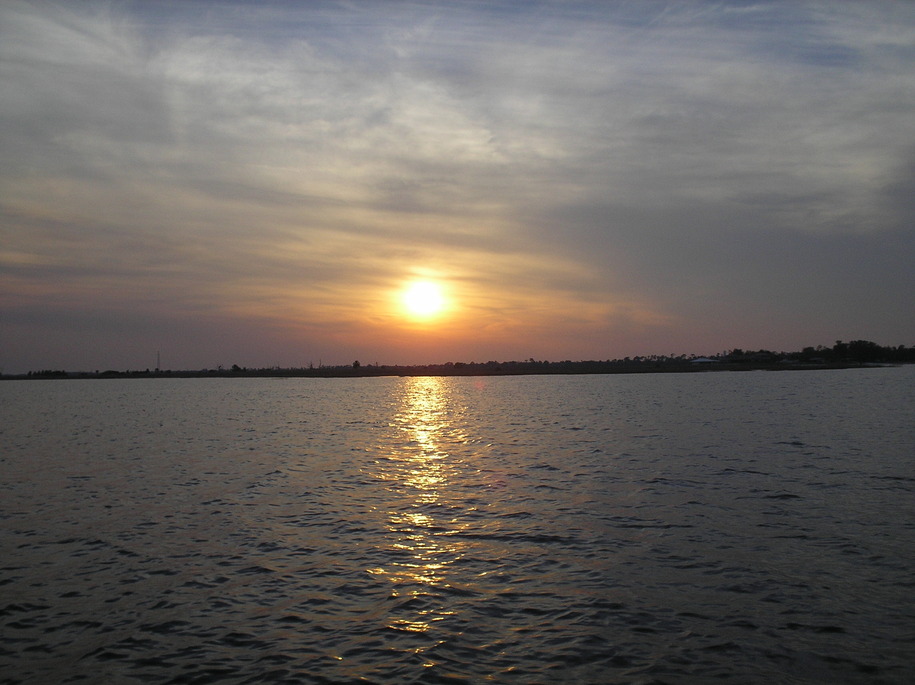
<point>459,369</point>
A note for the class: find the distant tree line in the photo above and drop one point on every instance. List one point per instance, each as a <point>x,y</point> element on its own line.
<point>840,355</point>
<point>858,351</point>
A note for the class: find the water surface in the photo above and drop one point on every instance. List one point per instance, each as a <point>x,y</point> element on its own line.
<point>754,526</point>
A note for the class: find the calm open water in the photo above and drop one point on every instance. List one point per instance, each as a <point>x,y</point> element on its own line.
<point>670,528</point>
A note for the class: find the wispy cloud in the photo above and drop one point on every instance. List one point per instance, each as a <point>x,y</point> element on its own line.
<point>590,179</point>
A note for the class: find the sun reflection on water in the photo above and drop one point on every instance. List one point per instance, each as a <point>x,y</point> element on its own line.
<point>421,547</point>
<point>423,418</point>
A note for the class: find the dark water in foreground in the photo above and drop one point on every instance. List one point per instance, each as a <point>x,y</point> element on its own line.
<point>757,527</point>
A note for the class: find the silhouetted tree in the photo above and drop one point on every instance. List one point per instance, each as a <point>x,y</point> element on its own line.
<point>864,351</point>
<point>840,350</point>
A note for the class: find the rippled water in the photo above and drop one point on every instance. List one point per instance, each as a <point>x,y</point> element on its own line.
<point>590,529</point>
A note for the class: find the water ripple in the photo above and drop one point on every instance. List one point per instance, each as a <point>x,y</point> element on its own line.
<point>532,530</point>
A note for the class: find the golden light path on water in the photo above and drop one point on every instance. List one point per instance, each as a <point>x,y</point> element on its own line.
<point>422,472</point>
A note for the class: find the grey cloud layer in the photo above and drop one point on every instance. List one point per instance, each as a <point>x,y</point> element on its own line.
<point>665,152</point>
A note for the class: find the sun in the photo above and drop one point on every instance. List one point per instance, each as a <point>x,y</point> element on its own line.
<point>423,299</point>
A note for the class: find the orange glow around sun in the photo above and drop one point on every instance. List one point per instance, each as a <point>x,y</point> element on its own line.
<point>423,299</point>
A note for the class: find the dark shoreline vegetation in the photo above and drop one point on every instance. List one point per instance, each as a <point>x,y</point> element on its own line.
<point>842,355</point>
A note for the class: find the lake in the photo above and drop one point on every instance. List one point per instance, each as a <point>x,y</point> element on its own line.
<point>756,527</point>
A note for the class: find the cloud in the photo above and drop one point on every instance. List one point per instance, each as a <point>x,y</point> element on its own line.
<point>587,175</point>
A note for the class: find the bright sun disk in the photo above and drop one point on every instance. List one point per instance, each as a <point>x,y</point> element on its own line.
<point>423,299</point>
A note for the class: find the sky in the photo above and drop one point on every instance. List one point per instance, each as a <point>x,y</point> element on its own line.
<point>257,183</point>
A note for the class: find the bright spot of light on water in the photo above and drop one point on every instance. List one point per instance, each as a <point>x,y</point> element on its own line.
<point>418,476</point>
